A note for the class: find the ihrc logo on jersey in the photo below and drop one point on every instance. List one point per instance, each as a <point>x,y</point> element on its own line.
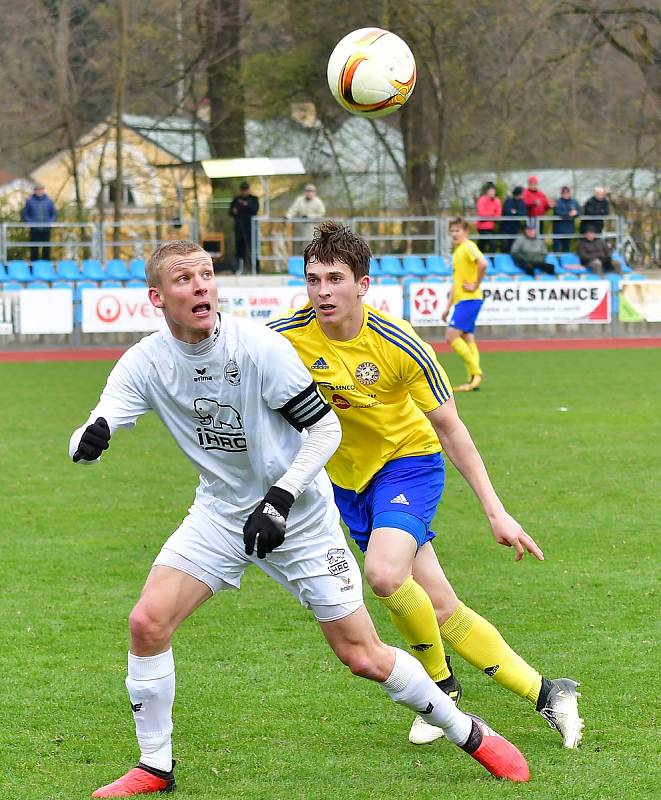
<point>220,426</point>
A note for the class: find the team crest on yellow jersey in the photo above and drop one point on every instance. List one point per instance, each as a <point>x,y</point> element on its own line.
<point>367,373</point>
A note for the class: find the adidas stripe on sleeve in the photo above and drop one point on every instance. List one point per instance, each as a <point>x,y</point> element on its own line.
<point>306,408</point>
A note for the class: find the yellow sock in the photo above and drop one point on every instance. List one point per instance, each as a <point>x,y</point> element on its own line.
<point>413,615</point>
<point>461,348</point>
<point>472,346</point>
<point>481,645</point>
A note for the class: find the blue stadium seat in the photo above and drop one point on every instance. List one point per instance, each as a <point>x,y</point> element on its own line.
<point>38,285</point>
<point>389,280</point>
<point>375,268</point>
<point>137,268</point>
<point>501,278</point>
<point>294,282</point>
<point>19,271</point>
<point>62,285</point>
<point>68,270</point>
<point>525,277</point>
<point>543,276</point>
<point>11,286</point>
<point>568,276</point>
<point>590,276</point>
<point>571,261</point>
<point>92,270</point>
<point>625,267</point>
<point>435,279</point>
<point>111,285</point>
<point>635,276</point>
<point>437,265</point>
<point>553,261</point>
<point>491,269</point>
<point>3,274</point>
<point>116,270</point>
<point>44,271</point>
<point>296,266</point>
<point>136,283</point>
<point>414,265</point>
<point>504,263</point>
<point>391,265</point>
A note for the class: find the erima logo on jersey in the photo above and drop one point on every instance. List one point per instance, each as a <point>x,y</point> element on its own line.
<point>320,363</point>
<point>401,499</point>
<point>202,375</point>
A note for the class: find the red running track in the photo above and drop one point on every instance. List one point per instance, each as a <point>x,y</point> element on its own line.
<point>486,346</point>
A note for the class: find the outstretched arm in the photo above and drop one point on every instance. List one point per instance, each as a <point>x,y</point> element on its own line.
<point>461,450</point>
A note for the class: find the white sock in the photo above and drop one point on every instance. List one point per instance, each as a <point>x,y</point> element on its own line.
<point>409,685</point>
<point>150,685</point>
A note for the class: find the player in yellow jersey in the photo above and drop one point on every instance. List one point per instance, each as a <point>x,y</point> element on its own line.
<point>397,413</point>
<point>468,269</point>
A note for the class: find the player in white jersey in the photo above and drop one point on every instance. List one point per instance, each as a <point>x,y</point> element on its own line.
<point>242,407</point>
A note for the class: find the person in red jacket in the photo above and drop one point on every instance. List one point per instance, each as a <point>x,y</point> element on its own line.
<point>536,201</point>
<point>488,206</point>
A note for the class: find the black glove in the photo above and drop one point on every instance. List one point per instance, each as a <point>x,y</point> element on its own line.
<point>267,522</point>
<point>94,441</point>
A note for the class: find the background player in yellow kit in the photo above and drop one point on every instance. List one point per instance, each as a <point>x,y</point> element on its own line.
<point>468,269</point>
<point>397,413</point>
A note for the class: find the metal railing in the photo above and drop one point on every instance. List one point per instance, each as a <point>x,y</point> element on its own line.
<point>78,240</point>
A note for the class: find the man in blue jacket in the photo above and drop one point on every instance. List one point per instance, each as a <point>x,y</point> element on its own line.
<point>39,210</point>
<point>513,207</point>
<point>563,229</point>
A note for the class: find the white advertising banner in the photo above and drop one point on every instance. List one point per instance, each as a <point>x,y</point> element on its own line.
<point>114,310</point>
<point>521,303</point>
<point>266,303</point>
<point>118,310</point>
<point>45,311</point>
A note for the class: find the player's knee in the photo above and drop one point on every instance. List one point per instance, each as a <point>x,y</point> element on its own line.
<point>146,629</point>
<point>384,579</point>
<point>362,663</point>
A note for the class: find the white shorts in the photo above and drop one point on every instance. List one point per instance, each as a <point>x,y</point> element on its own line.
<point>318,567</point>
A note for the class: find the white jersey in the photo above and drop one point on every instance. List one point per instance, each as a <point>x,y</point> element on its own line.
<point>220,402</point>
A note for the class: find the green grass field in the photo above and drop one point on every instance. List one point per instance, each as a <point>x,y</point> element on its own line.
<point>263,709</point>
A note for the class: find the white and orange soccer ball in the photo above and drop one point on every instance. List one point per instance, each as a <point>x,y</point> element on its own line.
<point>371,72</point>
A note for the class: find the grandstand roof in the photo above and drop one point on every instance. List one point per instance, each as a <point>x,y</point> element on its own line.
<point>175,135</point>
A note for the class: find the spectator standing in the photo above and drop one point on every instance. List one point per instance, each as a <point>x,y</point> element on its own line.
<point>307,206</point>
<point>529,251</point>
<point>40,212</point>
<point>568,209</point>
<point>488,205</point>
<point>244,207</point>
<point>596,255</point>
<point>537,203</point>
<point>597,206</point>
<point>513,206</point>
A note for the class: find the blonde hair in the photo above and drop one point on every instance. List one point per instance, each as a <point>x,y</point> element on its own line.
<point>163,253</point>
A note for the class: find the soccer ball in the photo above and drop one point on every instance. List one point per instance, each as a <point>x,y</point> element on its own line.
<point>371,72</point>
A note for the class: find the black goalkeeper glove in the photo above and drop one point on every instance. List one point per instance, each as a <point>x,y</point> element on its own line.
<point>267,522</point>
<point>94,441</point>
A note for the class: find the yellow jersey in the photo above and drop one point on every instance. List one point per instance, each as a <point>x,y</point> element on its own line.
<point>464,269</point>
<point>379,385</point>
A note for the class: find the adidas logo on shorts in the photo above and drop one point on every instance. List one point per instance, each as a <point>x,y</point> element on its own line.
<point>401,499</point>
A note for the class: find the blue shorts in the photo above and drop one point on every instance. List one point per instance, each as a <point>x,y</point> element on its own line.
<point>465,314</point>
<point>403,494</point>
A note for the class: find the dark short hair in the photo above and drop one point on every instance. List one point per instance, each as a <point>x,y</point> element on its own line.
<point>517,191</point>
<point>244,185</point>
<point>335,242</point>
<point>459,222</point>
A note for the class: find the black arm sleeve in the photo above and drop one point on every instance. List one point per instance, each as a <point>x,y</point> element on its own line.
<point>306,408</point>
